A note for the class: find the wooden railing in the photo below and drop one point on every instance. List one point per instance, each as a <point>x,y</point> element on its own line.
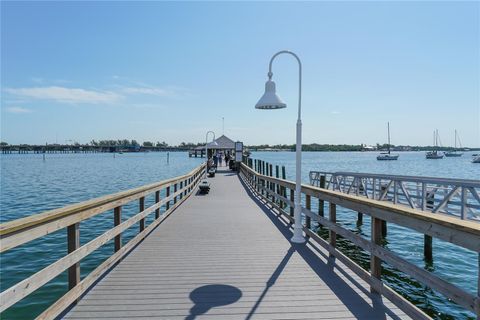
<point>17,232</point>
<point>463,233</point>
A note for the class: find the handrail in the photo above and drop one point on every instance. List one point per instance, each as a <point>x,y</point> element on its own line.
<point>459,232</point>
<point>27,229</point>
<point>459,198</point>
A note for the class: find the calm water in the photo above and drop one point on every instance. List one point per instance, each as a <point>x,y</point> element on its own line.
<point>30,185</point>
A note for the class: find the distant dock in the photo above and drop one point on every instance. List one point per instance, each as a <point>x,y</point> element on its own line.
<point>68,148</point>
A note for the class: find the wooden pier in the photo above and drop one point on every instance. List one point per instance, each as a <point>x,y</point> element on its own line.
<point>227,255</point>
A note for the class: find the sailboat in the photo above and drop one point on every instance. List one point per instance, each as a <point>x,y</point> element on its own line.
<point>454,153</point>
<point>387,155</point>
<point>435,154</point>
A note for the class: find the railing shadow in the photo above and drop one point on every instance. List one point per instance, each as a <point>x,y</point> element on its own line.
<point>355,303</point>
<point>211,296</point>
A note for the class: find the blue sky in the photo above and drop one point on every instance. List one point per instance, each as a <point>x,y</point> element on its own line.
<point>168,71</point>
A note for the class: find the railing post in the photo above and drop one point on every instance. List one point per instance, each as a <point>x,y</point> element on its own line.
<point>292,202</point>
<point>283,188</point>
<point>321,203</point>
<point>157,200</point>
<point>267,187</point>
<point>73,243</point>
<point>175,193</point>
<point>477,305</point>
<point>167,205</point>
<point>375,262</point>
<point>141,206</point>
<point>272,185</point>
<point>181,193</point>
<point>277,191</point>
<point>332,236</point>
<point>308,206</point>
<point>117,219</point>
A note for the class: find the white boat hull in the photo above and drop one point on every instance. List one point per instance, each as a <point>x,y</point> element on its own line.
<point>434,155</point>
<point>387,157</point>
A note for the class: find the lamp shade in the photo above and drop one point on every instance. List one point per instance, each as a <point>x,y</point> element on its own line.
<point>270,100</point>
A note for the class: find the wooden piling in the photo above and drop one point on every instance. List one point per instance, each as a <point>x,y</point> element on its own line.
<point>427,248</point>
<point>359,219</point>
<point>384,228</point>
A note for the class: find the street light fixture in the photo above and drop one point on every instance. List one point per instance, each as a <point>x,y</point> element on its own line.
<point>270,101</point>
<point>206,150</point>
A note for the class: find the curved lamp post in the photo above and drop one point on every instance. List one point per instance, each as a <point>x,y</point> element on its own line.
<point>269,101</point>
<point>206,150</point>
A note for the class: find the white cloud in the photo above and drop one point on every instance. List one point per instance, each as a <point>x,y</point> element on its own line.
<point>18,110</point>
<point>66,95</point>
<point>168,92</point>
<point>334,112</point>
<point>161,92</point>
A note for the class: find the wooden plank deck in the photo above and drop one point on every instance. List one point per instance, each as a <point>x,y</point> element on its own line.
<point>227,256</point>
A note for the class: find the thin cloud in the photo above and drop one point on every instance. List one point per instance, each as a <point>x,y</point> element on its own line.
<point>160,92</point>
<point>66,95</point>
<point>165,92</point>
<point>18,110</point>
<point>334,112</point>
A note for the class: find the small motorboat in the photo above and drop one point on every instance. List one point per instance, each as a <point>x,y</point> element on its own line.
<point>476,159</point>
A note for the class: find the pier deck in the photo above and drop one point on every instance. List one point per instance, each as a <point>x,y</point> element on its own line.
<point>227,255</point>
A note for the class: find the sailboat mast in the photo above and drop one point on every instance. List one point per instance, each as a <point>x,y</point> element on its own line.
<point>455,139</point>
<point>388,129</point>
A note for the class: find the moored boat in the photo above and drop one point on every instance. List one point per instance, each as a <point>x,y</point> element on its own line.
<point>454,152</point>
<point>388,155</point>
<point>434,154</point>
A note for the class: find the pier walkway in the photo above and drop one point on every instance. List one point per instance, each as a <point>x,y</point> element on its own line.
<point>227,255</point>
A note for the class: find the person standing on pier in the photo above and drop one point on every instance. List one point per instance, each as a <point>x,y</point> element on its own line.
<point>226,159</point>
<point>220,159</point>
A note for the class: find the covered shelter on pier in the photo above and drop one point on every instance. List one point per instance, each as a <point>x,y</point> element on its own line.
<point>222,143</point>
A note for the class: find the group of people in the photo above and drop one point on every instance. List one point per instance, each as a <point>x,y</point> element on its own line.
<point>218,158</point>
